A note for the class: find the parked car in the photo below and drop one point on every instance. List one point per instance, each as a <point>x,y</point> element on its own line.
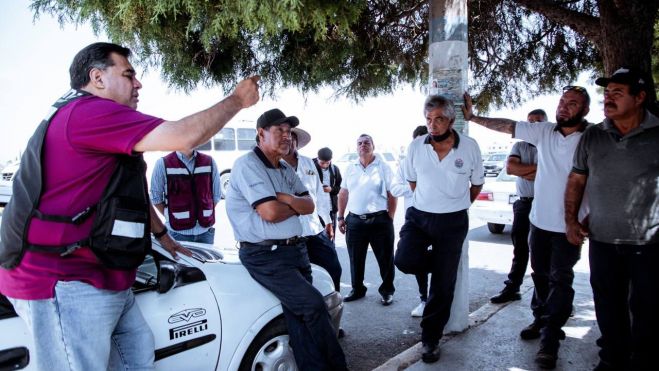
<point>205,311</point>
<point>494,204</point>
<point>6,181</point>
<point>343,161</point>
<point>494,163</point>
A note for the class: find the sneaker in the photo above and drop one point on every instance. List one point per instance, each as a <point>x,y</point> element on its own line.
<point>430,353</point>
<point>546,358</point>
<point>418,311</point>
<point>505,296</point>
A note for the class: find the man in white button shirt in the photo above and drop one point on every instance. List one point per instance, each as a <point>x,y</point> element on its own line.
<point>552,256</point>
<point>445,172</point>
<point>320,247</point>
<point>366,195</point>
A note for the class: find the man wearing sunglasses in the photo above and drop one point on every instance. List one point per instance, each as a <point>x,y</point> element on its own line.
<point>552,256</point>
<point>617,164</point>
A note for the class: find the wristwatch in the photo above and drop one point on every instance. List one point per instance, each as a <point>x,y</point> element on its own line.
<point>158,235</point>
<point>340,218</point>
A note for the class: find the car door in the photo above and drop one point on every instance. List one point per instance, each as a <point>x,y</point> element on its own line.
<point>15,342</point>
<point>184,319</point>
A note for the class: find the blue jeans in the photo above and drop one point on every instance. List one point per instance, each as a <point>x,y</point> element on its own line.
<point>286,272</point>
<point>206,237</point>
<point>85,328</point>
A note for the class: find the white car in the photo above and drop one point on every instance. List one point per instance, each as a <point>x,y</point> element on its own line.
<point>494,163</point>
<point>206,313</point>
<point>494,204</point>
<point>6,181</point>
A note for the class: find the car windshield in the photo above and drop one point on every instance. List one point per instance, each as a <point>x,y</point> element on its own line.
<point>498,157</point>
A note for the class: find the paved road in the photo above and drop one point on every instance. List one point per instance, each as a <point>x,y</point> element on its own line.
<point>375,333</point>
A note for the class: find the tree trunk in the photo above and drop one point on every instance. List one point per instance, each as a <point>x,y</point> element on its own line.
<point>627,30</point>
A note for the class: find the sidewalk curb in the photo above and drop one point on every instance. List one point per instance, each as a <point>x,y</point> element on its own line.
<point>412,355</point>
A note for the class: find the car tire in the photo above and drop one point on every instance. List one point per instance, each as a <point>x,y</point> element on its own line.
<point>225,178</point>
<point>270,349</point>
<point>495,228</point>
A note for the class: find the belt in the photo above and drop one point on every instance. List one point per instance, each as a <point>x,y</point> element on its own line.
<point>293,241</point>
<point>370,215</point>
<point>527,199</point>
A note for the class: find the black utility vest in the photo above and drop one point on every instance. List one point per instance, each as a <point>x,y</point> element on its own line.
<point>120,232</point>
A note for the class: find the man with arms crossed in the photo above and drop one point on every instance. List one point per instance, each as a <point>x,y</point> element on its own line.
<point>445,172</point>
<point>264,201</point>
<point>617,164</point>
<point>522,162</point>
<point>552,256</point>
<point>81,312</point>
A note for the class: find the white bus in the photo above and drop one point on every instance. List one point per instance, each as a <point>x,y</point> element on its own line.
<point>234,140</point>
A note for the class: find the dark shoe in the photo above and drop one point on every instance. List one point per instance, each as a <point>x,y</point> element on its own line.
<point>341,334</point>
<point>505,296</point>
<point>531,331</point>
<point>430,353</point>
<point>387,299</point>
<point>546,358</point>
<point>354,295</point>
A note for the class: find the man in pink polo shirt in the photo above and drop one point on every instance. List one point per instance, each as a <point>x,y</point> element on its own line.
<point>77,301</point>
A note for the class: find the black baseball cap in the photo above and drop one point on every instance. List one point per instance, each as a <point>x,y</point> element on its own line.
<point>275,117</point>
<point>627,76</point>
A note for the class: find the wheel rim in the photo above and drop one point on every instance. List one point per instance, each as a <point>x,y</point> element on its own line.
<point>275,355</point>
<point>224,182</point>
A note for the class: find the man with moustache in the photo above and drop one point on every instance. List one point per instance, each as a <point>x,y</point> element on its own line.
<point>552,256</point>
<point>445,173</point>
<point>366,196</point>
<point>264,202</point>
<point>80,220</point>
<point>617,164</point>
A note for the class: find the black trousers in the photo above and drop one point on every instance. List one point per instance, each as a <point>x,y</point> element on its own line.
<point>285,271</point>
<point>625,283</point>
<point>520,238</point>
<point>322,252</point>
<point>378,231</point>
<point>552,259</point>
<point>446,233</point>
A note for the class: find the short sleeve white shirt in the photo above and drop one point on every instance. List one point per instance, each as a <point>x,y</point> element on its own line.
<point>308,174</point>
<point>555,154</point>
<point>443,186</point>
<point>367,186</point>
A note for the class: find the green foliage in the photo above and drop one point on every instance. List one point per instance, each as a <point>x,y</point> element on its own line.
<point>358,47</point>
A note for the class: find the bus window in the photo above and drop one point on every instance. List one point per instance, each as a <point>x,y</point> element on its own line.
<point>225,140</point>
<point>204,147</point>
<point>246,139</point>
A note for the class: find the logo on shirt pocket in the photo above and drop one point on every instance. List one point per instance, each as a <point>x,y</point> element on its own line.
<point>459,163</point>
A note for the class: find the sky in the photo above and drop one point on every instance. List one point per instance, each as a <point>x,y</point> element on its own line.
<point>34,73</point>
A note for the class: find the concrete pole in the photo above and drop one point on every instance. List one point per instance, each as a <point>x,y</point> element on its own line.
<point>448,77</point>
